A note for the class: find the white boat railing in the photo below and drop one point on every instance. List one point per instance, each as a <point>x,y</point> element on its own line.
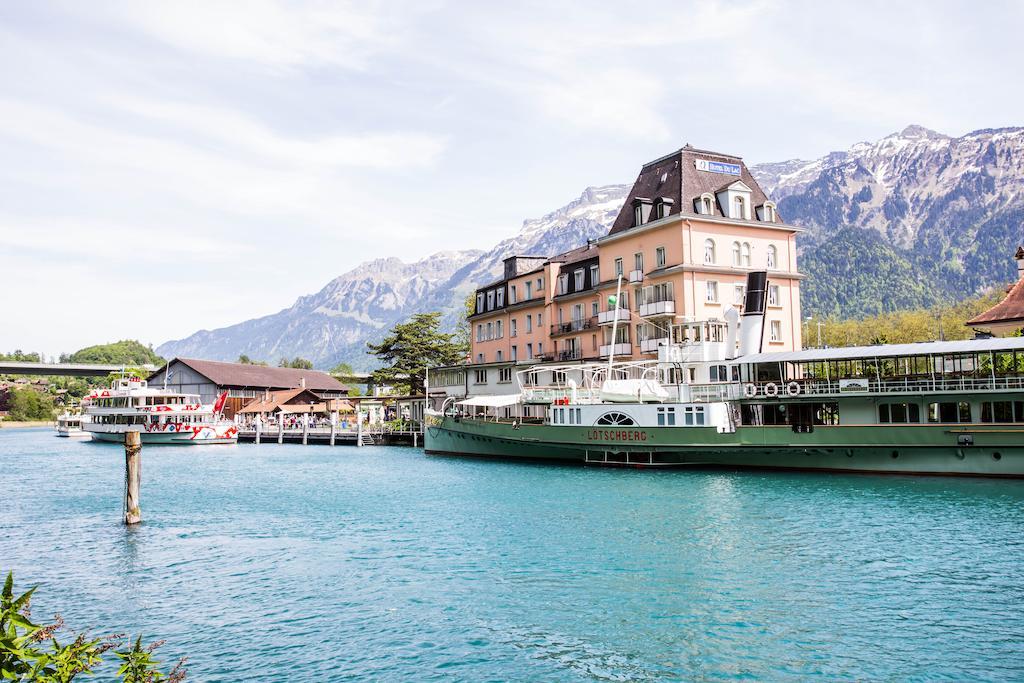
<point>907,385</point>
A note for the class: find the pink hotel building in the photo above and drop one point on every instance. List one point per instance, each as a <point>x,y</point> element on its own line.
<point>692,227</point>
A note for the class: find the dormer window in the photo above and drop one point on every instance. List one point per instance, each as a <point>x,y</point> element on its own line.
<point>480,302</point>
<point>739,208</point>
<point>638,215</point>
<point>766,212</point>
<point>662,207</point>
<point>501,298</point>
<point>705,204</point>
<point>641,210</point>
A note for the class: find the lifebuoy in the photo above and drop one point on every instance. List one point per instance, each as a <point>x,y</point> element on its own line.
<point>750,390</point>
<point>771,389</point>
<point>792,388</point>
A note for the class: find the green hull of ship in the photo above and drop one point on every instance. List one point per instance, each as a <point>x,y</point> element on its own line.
<point>996,451</point>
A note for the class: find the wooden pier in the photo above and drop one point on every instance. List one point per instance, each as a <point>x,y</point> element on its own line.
<point>325,436</point>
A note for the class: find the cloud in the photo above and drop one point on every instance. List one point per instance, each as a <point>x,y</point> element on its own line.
<point>272,33</point>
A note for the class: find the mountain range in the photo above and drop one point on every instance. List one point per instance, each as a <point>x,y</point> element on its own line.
<point>911,220</point>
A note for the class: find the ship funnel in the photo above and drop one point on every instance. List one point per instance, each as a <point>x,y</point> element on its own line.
<point>752,321</point>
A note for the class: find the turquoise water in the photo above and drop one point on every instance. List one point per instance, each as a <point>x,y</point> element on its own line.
<point>309,563</point>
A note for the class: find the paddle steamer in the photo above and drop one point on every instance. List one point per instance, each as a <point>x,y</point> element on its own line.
<point>711,399</point>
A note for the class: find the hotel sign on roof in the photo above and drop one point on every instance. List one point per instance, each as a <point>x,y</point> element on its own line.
<point>716,166</point>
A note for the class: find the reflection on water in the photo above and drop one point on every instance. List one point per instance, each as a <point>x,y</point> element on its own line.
<point>314,563</point>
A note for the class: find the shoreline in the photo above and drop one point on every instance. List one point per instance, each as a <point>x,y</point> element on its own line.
<point>13,424</point>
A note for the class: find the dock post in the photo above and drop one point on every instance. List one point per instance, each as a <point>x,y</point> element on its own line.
<point>305,428</point>
<point>414,435</point>
<point>280,427</point>
<point>132,476</point>
<point>359,429</point>
<point>334,425</point>
<point>259,423</point>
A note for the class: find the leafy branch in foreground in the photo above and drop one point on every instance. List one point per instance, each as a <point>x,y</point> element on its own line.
<point>31,652</point>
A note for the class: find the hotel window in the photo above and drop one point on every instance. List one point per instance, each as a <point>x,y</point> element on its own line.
<point>504,375</point>
<point>529,292</point>
<point>498,332</point>
<point>773,295</point>
<point>638,215</point>
<point>769,213</point>
<point>709,251</point>
<point>773,255</point>
<point>540,286</point>
<point>706,206</point>
<point>480,332</point>
<point>578,280</point>
<point>659,257</point>
<point>481,377</point>
<point>540,348</point>
<point>501,298</point>
<point>593,342</point>
<point>739,208</point>
<point>711,291</point>
<point>638,262</point>
<point>479,358</point>
<point>540,320</point>
<point>512,294</point>
<point>739,292</point>
<point>480,302</point>
<point>499,357</point>
<point>618,267</point>
<point>595,275</point>
<point>513,328</point>
<point>594,309</point>
<point>736,253</point>
<point>529,351</point>
<point>529,323</point>
<point>490,300</point>
<point>563,283</point>
<point>776,331</point>
<point>515,353</point>
<point>490,330</point>
<point>746,255</point>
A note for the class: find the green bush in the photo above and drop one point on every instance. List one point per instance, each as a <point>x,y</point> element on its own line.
<point>31,652</point>
<point>29,404</point>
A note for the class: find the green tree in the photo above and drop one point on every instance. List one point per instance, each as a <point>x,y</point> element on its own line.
<point>124,352</point>
<point>463,328</point>
<point>411,348</point>
<point>29,404</point>
<point>343,369</point>
<point>31,652</point>
<point>22,357</point>
<point>297,362</point>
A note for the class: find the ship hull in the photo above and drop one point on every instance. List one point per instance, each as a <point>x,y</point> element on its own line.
<point>182,438</point>
<point>995,451</point>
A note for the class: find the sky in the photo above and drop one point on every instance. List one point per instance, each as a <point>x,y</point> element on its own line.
<point>189,164</point>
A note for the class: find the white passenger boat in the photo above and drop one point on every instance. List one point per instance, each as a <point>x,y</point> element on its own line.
<point>69,425</point>
<point>161,416</point>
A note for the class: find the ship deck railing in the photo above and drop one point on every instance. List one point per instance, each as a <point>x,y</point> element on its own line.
<point>904,385</point>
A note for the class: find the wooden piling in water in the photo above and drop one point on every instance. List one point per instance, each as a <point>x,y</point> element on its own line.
<point>334,425</point>
<point>132,476</point>
<point>305,428</point>
<point>359,429</point>
<point>280,427</point>
<point>259,423</point>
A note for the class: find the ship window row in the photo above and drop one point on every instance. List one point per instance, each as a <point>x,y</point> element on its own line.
<point>561,416</point>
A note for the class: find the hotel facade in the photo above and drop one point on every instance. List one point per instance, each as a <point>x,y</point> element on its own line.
<point>694,224</point>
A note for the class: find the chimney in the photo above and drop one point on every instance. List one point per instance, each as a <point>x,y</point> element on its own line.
<point>1019,258</point>
<point>302,382</point>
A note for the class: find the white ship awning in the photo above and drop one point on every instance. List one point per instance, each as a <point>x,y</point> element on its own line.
<point>498,401</point>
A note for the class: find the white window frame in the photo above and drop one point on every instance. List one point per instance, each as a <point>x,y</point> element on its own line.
<point>709,252</point>
<point>659,257</point>
<point>775,330</point>
<point>711,291</point>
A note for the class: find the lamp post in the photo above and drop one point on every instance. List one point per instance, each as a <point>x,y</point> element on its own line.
<point>819,325</point>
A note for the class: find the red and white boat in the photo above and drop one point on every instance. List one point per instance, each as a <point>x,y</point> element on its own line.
<point>160,415</point>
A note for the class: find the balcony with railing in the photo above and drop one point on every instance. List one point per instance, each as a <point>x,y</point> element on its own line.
<point>636,276</point>
<point>651,308</point>
<point>618,350</point>
<point>570,354</point>
<point>574,325</point>
<point>651,345</point>
<point>624,315</point>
